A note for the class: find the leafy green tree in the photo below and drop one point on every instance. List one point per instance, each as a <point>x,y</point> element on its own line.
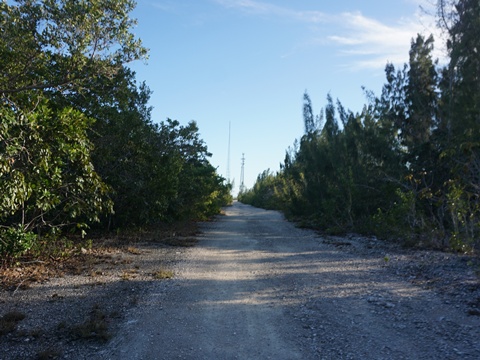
<point>46,175</point>
<point>50,49</point>
<point>264,193</point>
<point>132,155</point>
<point>60,44</point>
<point>158,172</point>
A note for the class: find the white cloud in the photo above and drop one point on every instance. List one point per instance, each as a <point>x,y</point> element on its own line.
<point>372,42</point>
<point>378,43</point>
<point>364,42</point>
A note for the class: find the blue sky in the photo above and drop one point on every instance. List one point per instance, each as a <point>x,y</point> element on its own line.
<point>248,63</point>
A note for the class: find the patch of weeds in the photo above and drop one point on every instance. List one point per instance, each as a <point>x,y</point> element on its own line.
<point>53,247</point>
<point>163,274</point>
<point>48,354</point>
<point>129,274</point>
<point>9,321</point>
<point>125,276</point>
<point>133,250</point>
<point>93,328</point>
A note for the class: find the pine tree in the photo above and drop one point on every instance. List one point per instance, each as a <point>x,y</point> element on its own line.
<point>459,122</point>
<point>421,96</point>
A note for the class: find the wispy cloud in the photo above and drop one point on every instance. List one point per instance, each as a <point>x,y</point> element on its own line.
<point>372,42</point>
<point>263,8</point>
<point>363,42</point>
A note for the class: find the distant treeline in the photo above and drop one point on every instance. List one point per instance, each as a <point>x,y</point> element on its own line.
<point>407,167</point>
<point>78,147</point>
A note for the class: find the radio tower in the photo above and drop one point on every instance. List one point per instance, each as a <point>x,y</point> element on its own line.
<point>242,173</point>
<point>228,154</point>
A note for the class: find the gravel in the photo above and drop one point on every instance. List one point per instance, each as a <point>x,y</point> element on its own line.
<point>255,287</point>
<point>74,315</point>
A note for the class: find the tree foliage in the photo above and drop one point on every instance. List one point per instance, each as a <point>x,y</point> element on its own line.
<point>78,146</point>
<point>407,166</point>
<point>60,44</point>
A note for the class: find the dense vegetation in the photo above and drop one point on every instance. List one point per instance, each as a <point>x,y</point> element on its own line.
<point>407,167</point>
<point>78,146</point>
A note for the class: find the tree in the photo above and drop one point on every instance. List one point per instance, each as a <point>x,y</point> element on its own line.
<point>58,45</point>
<point>46,175</point>
<point>50,49</point>
<point>460,119</point>
<point>421,94</point>
<point>461,79</point>
<point>308,117</point>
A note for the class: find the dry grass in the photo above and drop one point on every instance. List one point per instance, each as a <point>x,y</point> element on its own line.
<point>79,257</point>
<point>163,274</point>
<point>136,257</point>
<point>133,250</point>
<point>129,274</point>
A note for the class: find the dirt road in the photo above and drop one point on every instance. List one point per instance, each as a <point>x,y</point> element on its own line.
<point>256,287</point>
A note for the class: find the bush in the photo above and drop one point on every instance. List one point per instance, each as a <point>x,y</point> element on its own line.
<point>15,241</point>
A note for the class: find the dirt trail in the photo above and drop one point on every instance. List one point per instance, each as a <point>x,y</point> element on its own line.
<point>256,287</point>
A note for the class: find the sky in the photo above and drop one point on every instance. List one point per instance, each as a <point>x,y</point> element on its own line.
<point>241,67</point>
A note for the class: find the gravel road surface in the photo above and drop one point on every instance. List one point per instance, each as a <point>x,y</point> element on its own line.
<point>257,287</point>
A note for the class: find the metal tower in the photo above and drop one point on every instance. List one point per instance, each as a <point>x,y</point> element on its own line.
<point>228,154</point>
<point>242,174</point>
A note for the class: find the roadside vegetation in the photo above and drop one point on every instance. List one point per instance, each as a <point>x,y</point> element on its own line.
<point>407,166</point>
<point>79,150</point>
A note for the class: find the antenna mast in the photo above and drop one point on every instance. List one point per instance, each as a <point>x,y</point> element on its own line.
<point>242,174</point>
<point>228,154</point>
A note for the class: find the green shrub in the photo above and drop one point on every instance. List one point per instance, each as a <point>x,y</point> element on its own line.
<point>15,241</point>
